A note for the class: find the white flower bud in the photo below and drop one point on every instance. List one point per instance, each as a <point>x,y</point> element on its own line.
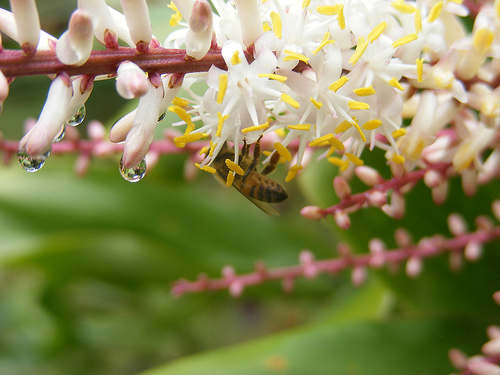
<point>75,45</point>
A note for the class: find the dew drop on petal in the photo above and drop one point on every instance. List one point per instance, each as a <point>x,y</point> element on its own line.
<point>162,116</point>
<point>61,135</point>
<point>78,117</point>
<point>135,173</point>
<point>31,163</point>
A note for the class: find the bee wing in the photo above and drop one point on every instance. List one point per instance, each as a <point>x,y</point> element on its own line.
<point>268,208</point>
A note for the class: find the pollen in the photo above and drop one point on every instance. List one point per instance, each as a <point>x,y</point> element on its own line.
<point>275,77</point>
<point>234,167</point>
<point>360,49</point>
<point>220,122</point>
<point>377,31</point>
<point>372,124</point>
<point>325,41</point>
<point>342,164</point>
<point>336,144</point>
<point>482,39</point>
<point>418,21</point>
<point>402,7</point>
<point>404,40</point>
<point>180,102</point>
<point>292,173</point>
<point>320,140</point>
<point>183,115</point>
<point>255,128</point>
<point>277,26</point>
<point>395,83</point>
<point>398,133</point>
<point>283,151</point>
<point>354,159</point>
<point>364,91</point>
<point>358,105</point>
<point>230,179</point>
<point>435,12</point>
<point>235,59</point>
<point>206,168</point>
<point>289,100</point>
<point>338,83</point>
<point>222,88</point>
<point>316,103</point>
<point>291,56</point>
<point>305,127</point>
<point>420,69</point>
<point>398,159</point>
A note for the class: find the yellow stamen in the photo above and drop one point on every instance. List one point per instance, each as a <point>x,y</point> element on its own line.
<point>300,127</point>
<point>435,12</point>
<point>283,151</point>
<point>289,100</point>
<point>358,105</point>
<point>340,16</point>
<point>398,133</point>
<point>206,168</point>
<point>420,69</point>
<point>336,143</point>
<point>266,27</point>
<point>398,159</point>
<point>277,26</point>
<point>234,167</point>
<point>482,39</point>
<point>372,124</point>
<point>342,164</point>
<point>354,159</point>
<point>404,40</point>
<point>183,115</point>
<point>358,128</point>
<point>320,140</point>
<point>338,83</point>
<point>326,40</point>
<point>275,77</point>
<point>327,10</point>
<point>176,17</point>
<point>189,128</point>
<point>204,150</point>
<point>418,21</point>
<point>180,102</point>
<point>280,132</point>
<point>230,179</point>
<point>255,128</point>
<point>222,88</point>
<point>292,172</point>
<point>220,121</point>
<point>342,127</point>
<point>291,55</point>
<point>316,103</point>
<point>377,31</point>
<point>360,49</point>
<point>212,148</point>
<point>364,91</point>
<point>403,7</point>
<point>305,3</point>
<point>235,59</point>
<point>188,138</point>
<point>394,83</point>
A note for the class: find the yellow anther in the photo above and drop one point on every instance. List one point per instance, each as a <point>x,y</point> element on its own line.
<point>372,124</point>
<point>204,150</point>
<point>305,3</point>
<point>358,128</point>
<point>398,133</point>
<point>180,102</point>
<point>283,151</point>
<point>338,83</point>
<point>235,59</point>
<point>364,91</point>
<point>418,21</point>
<point>277,26</point>
<point>220,122</point>
<point>188,138</point>
<point>395,83</point>
<point>402,7</point>
<point>206,168</point>
<point>234,167</point>
<point>266,27</point>
<point>420,69</point>
<point>327,10</point>
<point>435,12</point>
<point>360,49</point>
<point>212,148</point>
<point>189,128</point>
<point>255,128</point>
<point>275,77</point>
<point>340,17</point>
<point>289,100</point>
<point>230,179</point>
<point>377,31</point>
<point>292,172</point>
<point>342,127</point>
<point>398,159</point>
<point>326,40</point>
<point>280,132</point>
<point>320,140</point>
<point>482,39</point>
<point>291,56</point>
<point>316,103</point>
<point>336,143</point>
<point>342,164</point>
<point>222,88</point>
<point>183,115</point>
<point>353,104</point>
<point>176,17</point>
<point>404,40</point>
<point>300,127</point>
<point>354,159</point>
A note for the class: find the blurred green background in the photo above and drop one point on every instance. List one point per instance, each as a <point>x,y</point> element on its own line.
<point>86,267</point>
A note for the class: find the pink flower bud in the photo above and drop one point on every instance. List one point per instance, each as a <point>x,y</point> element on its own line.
<point>495,207</point>
<point>358,275</point>
<point>377,198</point>
<point>492,347</point>
<point>481,367</point>
<point>493,331</point>
<point>368,175</point>
<point>342,219</point>
<point>414,266</point>
<point>75,45</point>
<point>469,181</point>
<point>457,358</point>
<point>312,212</point>
<point>131,81</point>
<point>96,131</point>
<point>473,251</point>
<point>236,288</point>
<point>496,297</point>
<point>440,192</point>
<point>432,178</point>
<point>457,224</point>
<point>137,17</point>
<point>402,237</point>
<point>341,187</point>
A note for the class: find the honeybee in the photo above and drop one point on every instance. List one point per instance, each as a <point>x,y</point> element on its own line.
<point>259,189</point>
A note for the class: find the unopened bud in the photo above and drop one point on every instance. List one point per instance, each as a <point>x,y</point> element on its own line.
<point>312,212</point>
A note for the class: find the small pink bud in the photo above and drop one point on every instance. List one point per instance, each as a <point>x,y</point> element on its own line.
<point>402,237</point>
<point>496,297</point>
<point>397,205</point>
<point>493,331</point>
<point>110,39</point>
<point>343,249</point>
<point>440,192</point>
<point>201,17</point>
<point>306,257</point>
<point>236,288</point>
<point>473,251</point>
<point>377,198</point>
<point>483,368</point>
<point>432,178</point>
<point>132,81</point>
<point>228,272</point>
<point>492,347</point>
<point>368,175</point>
<point>455,260</point>
<point>376,245</point>
<point>484,223</point>
<point>312,212</point>
<point>377,249</point>
<point>495,207</point>
<point>82,164</point>
<point>397,170</point>
<point>358,275</point>
<point>457,224</point>
<point>469,181</point>
<point>96,131</point>
<point>342,219</point>
<point>287,284</point>
<point>414,266</point>
<point>457,358</point>
<point>341,187</point>
<point>152,158</point>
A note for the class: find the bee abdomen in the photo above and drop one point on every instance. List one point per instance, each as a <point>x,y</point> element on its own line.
<point>263,189</point>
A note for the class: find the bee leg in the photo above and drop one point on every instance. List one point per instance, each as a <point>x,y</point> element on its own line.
<point>255,160</point>
<point>272,163</point>
<point>245,149</point>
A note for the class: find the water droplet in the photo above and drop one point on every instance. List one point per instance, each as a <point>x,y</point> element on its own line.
<point>135,173</point>
<point>61,135</point>
<point>78,117</point>
<point>162,116</point>
<point>31,163</point>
